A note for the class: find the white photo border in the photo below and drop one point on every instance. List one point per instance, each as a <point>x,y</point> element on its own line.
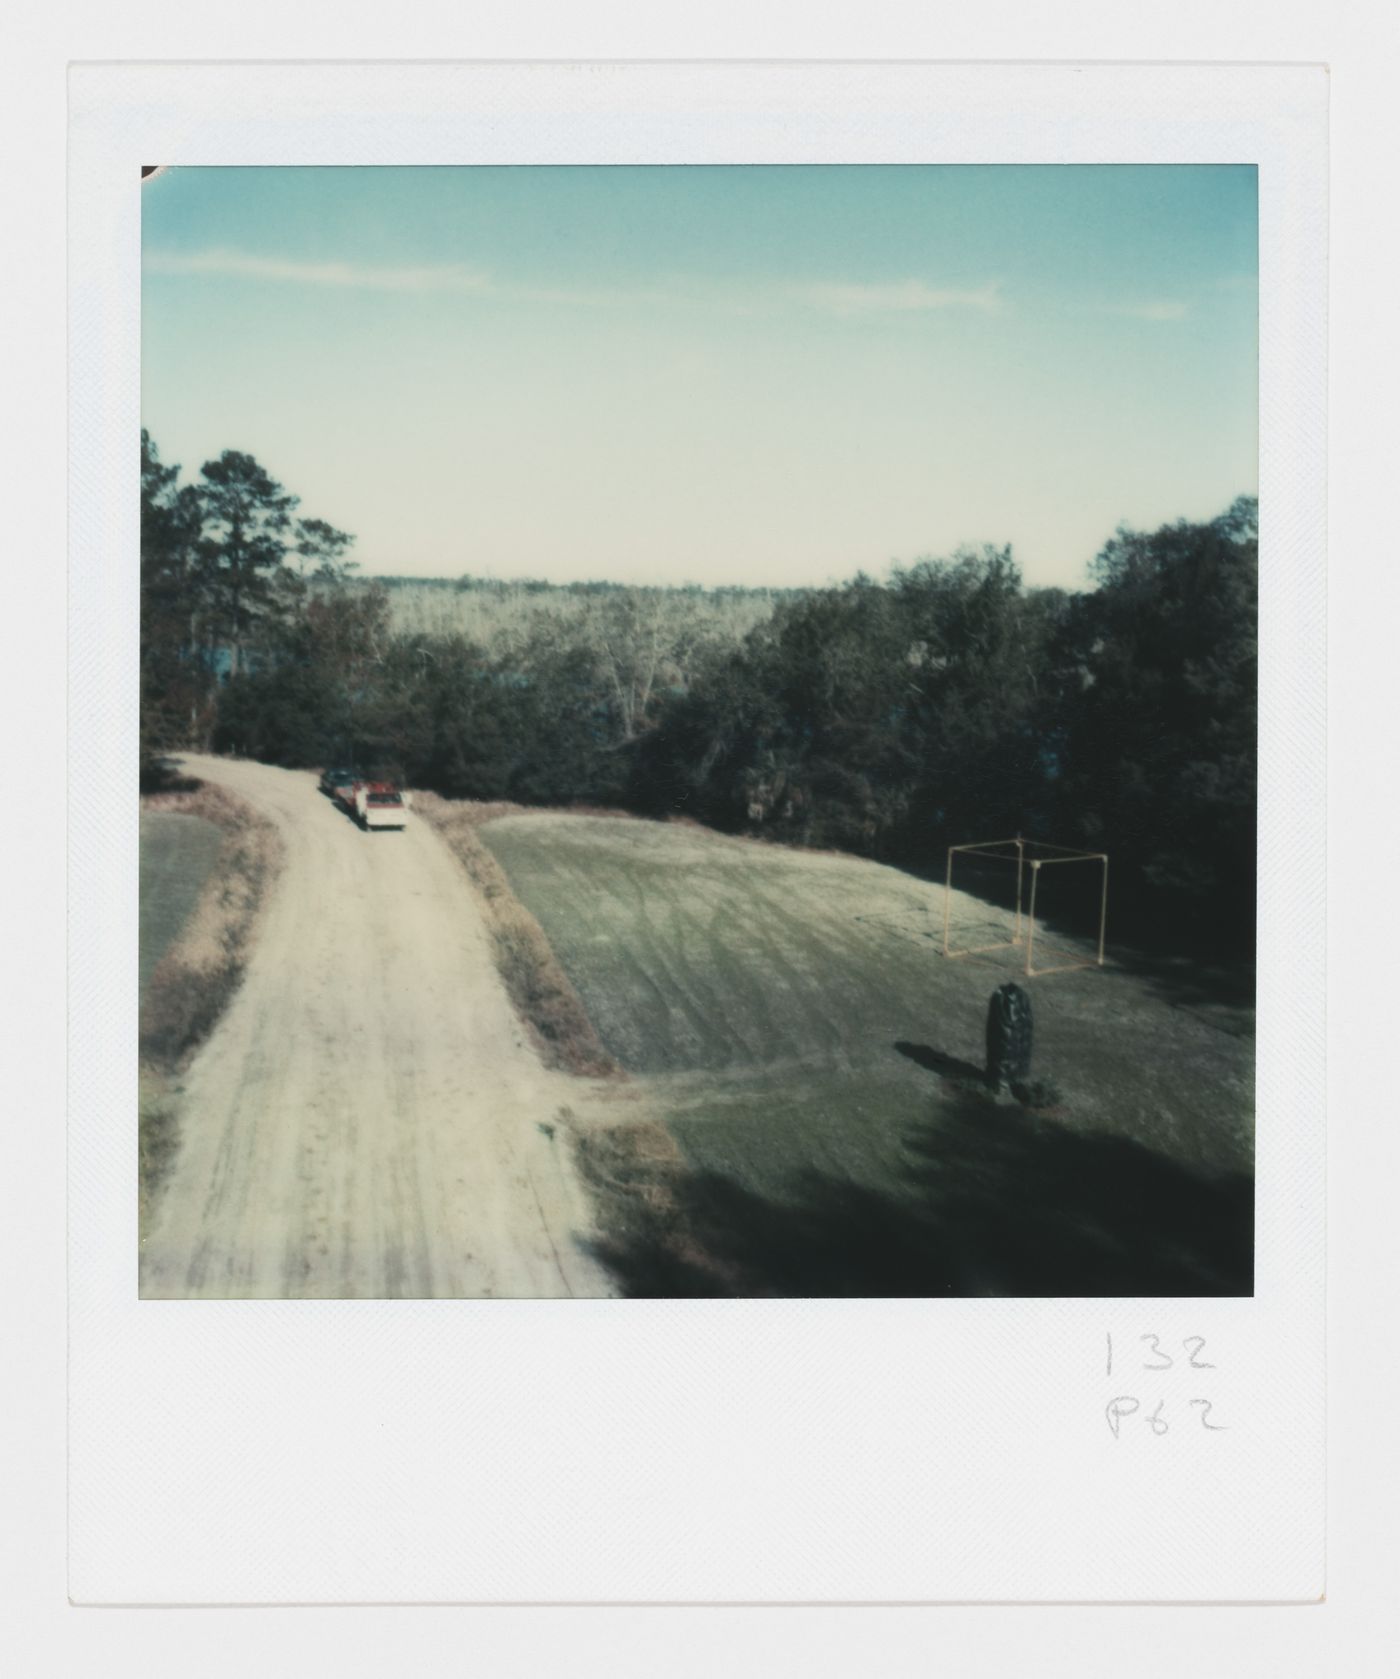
<point>687,1451</point>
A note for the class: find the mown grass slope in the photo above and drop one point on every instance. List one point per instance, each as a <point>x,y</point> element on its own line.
<point>816,1059</point>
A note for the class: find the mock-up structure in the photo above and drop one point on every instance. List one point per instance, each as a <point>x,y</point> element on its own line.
<point>1023,855</point>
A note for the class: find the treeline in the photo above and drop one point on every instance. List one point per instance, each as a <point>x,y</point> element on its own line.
<point>500,614</point>
<point>467,584</point>
<point>946,703</point>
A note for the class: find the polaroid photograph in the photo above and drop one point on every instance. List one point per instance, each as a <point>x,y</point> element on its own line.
<point>631,875</point>
<point>704,704</point>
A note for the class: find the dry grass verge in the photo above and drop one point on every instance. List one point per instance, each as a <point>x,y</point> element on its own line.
<point>537,986</point>
<point>197,977</point>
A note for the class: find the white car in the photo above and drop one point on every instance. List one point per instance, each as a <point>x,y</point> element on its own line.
<point>379,804</point>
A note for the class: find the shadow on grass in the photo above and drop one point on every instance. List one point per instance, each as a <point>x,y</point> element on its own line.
<point>935,1061</point>
<point>995,1201</point>
<point>1222,993</point>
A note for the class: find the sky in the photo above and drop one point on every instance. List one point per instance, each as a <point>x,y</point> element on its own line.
<point>765,376</point>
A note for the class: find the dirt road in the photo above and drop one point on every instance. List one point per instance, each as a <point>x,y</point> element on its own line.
<point>368,1120</point>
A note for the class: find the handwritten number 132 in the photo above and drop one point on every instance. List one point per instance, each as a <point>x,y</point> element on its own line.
<point>1192,1343</point>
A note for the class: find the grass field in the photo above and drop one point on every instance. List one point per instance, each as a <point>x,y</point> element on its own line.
<point>789,1018</point>
<point>177,854</point>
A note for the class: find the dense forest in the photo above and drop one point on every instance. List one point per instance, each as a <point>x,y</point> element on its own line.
<point>947,702</point>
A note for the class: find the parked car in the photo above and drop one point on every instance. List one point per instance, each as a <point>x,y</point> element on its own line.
<point>334,779</point>
<point>379,804</point>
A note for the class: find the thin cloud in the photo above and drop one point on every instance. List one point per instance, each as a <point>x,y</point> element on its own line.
<point>567,297</point>
<point>1162,311</point>
<point>901,297</point>
<point>1238,282</point>
<point>457,278</point>
<point>428,277</point>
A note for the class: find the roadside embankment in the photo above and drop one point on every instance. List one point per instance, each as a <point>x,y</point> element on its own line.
<point>192,983</point>
<point>538,987</point>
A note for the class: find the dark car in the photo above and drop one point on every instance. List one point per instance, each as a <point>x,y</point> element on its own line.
<point>333,778</point>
